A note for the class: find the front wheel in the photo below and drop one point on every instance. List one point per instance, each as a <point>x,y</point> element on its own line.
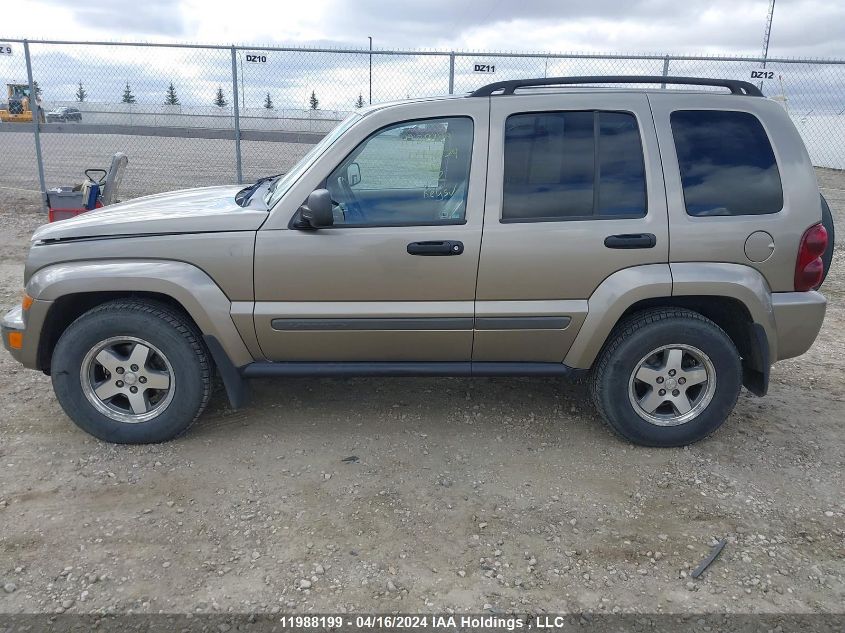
<point>667,377</point>
<point>132,372</point>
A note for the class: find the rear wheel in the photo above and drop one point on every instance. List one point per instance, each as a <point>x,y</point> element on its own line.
<point>132,372</point>
<point>667,377</point>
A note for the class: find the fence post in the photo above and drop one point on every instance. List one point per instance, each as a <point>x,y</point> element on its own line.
<point>237,116</point>
<point>665,71</point>
<point>452,73</point>
<point>36,121</point>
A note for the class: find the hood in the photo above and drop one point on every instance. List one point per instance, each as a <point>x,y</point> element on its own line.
<point>204,210</point>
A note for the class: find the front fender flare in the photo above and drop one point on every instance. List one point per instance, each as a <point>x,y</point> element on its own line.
<point>192,288</point>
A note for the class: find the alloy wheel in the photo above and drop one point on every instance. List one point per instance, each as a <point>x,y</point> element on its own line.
<point>672,385</point>
<point>127,379</point>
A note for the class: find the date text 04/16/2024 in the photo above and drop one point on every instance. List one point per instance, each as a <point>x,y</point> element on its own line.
<point>435,622</point>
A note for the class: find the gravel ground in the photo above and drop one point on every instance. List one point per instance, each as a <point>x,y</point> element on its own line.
<point>425,495</point>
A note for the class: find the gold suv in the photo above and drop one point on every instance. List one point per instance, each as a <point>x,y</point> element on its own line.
<point>667,242</point>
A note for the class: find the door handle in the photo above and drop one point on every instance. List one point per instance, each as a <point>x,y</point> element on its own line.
<point>633,240</point>
<point>445,247</point>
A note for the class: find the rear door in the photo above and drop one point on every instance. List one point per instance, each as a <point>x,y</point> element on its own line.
<point>574,193</point>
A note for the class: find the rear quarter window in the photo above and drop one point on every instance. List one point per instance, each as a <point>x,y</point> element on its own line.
<point>726,163</point>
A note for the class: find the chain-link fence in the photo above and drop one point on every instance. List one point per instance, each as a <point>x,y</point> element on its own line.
<point>191,115</point>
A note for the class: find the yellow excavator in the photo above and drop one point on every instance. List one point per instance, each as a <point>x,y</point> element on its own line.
<point>17,108</point>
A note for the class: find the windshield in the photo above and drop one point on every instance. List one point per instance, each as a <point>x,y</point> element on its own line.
<point>281,186</point>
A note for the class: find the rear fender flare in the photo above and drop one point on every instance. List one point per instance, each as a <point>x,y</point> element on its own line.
<point>623,289</point>
<point>736,281</point>
<point>608,303</point>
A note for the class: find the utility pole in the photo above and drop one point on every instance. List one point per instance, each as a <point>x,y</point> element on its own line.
<point>371,69</point>
<point>238,163</point>
<point>767,35</point>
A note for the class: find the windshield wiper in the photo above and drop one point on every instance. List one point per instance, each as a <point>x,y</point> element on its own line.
<point>271,189</point>
<point>242,198</point>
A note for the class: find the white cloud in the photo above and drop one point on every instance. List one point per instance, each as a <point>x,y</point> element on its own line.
<point>801,27</point>
<point>727,27</point>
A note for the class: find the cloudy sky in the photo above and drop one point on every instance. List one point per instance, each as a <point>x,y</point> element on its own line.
<point>801,27</point>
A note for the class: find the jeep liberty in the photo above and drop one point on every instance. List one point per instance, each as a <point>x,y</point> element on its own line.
<point>667,244</point>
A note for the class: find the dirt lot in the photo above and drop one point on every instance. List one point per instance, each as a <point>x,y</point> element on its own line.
<point>155,163</point>
<point>472,495</point>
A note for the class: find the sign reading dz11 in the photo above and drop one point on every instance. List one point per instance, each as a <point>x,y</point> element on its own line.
<point>484,68</point>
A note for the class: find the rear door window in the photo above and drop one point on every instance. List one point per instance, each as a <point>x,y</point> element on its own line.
<point>572,165</point>
<point>726,163</point>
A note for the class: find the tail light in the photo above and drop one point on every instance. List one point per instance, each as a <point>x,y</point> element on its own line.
<point>809,268</point>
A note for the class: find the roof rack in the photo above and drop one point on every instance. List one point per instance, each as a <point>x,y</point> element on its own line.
<point>508,87</point>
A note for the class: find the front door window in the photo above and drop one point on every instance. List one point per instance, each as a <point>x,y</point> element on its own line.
<point>409,174</point>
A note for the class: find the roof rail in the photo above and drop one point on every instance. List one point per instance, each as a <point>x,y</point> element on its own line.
<point>508,86</point>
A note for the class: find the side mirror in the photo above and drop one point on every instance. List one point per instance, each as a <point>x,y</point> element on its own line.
<point>317,210</point>
<point>353,174</point>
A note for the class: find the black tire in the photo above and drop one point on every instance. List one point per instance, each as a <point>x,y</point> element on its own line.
<point>827,222</point>
<point>636,337</point>
<point>154,323</point>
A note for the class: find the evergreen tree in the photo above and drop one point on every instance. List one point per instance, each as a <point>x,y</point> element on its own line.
<point>171,98</point>
<point>128,97</point>
<point>37,89</point>
<point>268,102</point>
<point>315,103</point>
<point>81,94</point>
<point>360,102</point>
<point>219,99</point>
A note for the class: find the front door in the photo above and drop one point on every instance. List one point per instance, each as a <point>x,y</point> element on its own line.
<point>574,194</point>
<point>394,278</point>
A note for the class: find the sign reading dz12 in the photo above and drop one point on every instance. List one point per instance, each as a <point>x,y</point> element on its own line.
<point>757,75</point>
<point>484,68</point>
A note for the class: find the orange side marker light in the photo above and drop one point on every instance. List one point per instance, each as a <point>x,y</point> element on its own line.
<point>16,340</point>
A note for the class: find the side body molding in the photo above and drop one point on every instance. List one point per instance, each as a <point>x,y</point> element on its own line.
<point>191,287</point>
<point>608,303</point>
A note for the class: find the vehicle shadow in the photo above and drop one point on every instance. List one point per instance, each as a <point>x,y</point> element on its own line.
<point>436,405</point>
